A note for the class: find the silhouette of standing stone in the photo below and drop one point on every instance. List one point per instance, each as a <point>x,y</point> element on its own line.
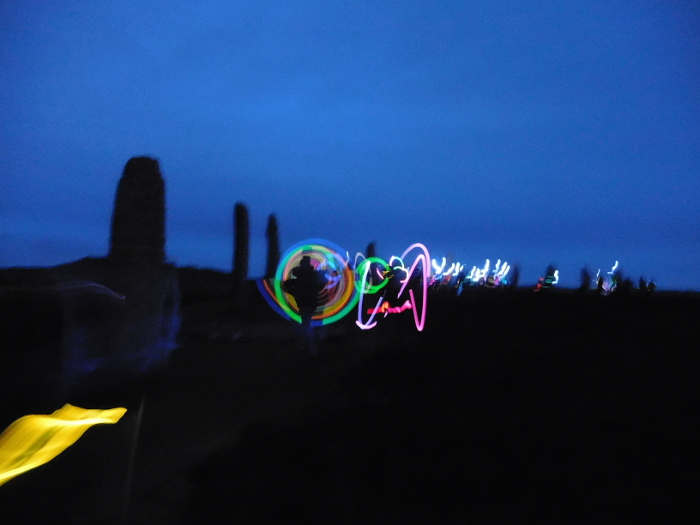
<point>138,221</point>
<point>371,250</point>
<point>514,279</point>
<point>111,321</point>
<point>240,252</point>
<point>642,285</point>
<point>273,246</point>
<point>585,280</point>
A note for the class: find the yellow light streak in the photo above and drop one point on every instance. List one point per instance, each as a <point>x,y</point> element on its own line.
<point>34,440</point>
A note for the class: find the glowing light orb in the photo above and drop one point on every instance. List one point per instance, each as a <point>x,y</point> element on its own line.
<point>337,298</point>
<point>34,440</point>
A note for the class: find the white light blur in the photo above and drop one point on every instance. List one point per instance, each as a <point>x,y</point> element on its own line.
<point>438,269</point>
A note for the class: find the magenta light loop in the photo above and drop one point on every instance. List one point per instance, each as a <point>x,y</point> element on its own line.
<point>425,257</point>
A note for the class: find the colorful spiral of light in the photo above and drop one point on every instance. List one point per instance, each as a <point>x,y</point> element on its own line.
<point>339,295</point>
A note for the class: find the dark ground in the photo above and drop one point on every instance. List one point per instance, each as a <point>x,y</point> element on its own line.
<point>508,408</point>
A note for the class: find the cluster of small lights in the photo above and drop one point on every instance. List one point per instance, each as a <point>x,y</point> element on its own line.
<point>453,271</point>
<point>346,287</point>
<point>485,276</point>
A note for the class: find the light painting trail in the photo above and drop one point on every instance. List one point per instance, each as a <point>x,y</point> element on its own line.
<point>358,255</point>
<point>438,268</point>
<point>366,264</point>
<point>34,440</point>
<point>339,295</point>
<point>385,308</point>
<point>346,287</point>
<point>365,288</point>
<point>608,283</point>
<point>495,278</point>
<point>423,258</point>
<point>442,275</point>
<point>382,306</point>
<point>400,268</point>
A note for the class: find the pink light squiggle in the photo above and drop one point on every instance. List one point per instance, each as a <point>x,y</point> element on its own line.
<point>410,304</point>
<point>425,258</point>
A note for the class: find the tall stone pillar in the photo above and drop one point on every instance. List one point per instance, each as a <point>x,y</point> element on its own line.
<point>241,225</point>
<point>138,220</point>
<point>273,246</point>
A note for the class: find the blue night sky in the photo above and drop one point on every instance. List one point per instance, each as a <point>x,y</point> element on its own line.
<point>532,131</point>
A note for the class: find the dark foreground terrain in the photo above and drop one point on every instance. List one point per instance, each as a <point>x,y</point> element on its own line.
<point>509,408</point>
